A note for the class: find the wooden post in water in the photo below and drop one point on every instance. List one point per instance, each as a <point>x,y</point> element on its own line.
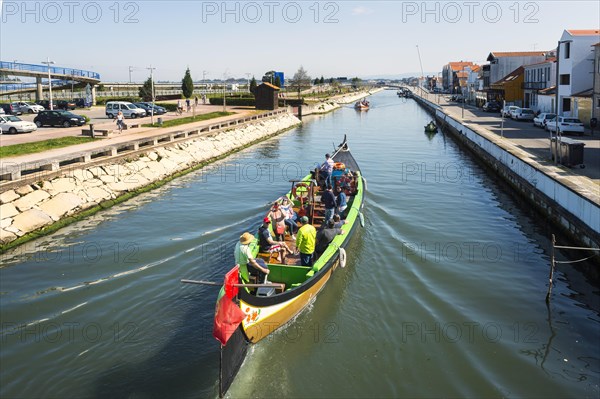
<point>551,270</point>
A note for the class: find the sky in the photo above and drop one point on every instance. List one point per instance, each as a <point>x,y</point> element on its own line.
<point>217,39</point>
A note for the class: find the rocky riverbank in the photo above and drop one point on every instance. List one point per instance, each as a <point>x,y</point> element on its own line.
<point>335,102</point>
<point>47,205</point>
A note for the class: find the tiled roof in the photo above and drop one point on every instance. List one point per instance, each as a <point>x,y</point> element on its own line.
<point>496,54</point>
<point>547,61</point>
<point>583,32</point>
<point>270,85</point>
<point>459,65</point>
<point>548,90</point>
<point>511,76</point>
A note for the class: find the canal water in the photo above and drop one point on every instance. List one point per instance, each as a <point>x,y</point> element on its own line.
<point>442,296</point>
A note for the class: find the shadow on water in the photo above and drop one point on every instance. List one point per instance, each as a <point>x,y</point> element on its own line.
<point>189,360</point>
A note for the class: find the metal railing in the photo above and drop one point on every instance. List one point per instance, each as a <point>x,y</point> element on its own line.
<point>17,66</point>
<point>12,173</point>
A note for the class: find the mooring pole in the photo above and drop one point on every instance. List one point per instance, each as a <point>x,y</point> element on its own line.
<point>551,270</point>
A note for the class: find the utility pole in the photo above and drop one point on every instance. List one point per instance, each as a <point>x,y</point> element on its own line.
<point>48,62</point>
<point>152,88</point>
<point>204,80</point>
<point>248,78</point>
<point>421,64</point>
<point>130,70</point>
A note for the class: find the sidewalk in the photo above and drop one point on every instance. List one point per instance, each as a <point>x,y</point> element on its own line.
<point>127,135</point>
<point>533,140</point>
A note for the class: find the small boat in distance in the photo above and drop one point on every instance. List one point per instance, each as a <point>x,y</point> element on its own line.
<point>248,312</point>
<point>431,127</point>
<point>362,105</point>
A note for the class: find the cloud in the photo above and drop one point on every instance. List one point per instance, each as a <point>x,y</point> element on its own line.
<point>361,11</point>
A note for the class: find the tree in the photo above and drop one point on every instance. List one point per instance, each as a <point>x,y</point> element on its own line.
<point>277,81</point>
<point>187,84</point>
<point>355,82</point>
<point>331,80</point>
<point>146,90</point>
<point>316,82</point>
<point>321,81</point>
<point>252,85</point>
<point>300,81</point>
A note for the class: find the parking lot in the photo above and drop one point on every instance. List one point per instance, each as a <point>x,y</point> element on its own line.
<point>98,118</point>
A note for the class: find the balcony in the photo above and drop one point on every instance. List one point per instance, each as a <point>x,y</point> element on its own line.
<point>534,85</point>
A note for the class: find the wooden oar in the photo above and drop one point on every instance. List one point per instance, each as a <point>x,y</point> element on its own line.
<point>202,282</point>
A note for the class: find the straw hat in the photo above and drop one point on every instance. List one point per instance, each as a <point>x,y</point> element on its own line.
<point>246,238</point>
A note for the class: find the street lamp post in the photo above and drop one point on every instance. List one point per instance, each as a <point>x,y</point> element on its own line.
<point>48,62</point>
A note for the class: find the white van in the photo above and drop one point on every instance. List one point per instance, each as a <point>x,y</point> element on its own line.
<point>128,109</point>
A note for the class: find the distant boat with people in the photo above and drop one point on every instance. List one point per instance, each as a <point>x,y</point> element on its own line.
<point>362,105</point>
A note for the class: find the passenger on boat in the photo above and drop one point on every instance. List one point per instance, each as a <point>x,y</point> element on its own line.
<point>243,257</point>
<point>341,201</point>
<point>290,216</point>
<point>305,241</point>
<point>326,170</point>
<point>328,199</point>
<point>338,221</point>
<point>325,236</point>
<point>267,244</point>
<point>277,217</point>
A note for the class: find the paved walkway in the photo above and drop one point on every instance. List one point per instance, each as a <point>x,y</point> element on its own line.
<point>127,135</point>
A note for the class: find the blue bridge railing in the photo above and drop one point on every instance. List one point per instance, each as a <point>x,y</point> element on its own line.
<point>17,66</point>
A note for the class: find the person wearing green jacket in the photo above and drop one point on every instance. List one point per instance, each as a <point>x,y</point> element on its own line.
<point>305,241</point>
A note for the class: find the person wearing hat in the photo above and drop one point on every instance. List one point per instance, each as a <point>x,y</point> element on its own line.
<point>305,241</point>
<point>267,244</point>
<point>243,257</point>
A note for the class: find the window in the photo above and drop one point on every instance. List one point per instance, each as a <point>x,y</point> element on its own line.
<point>598,103</point>
<point>565,79</point>
<point>567,50</point>
<point>566,104</point>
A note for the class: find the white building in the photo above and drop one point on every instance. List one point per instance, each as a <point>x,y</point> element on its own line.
<point>575,67</point>
<point>539,76</point>
<point>503,63</point>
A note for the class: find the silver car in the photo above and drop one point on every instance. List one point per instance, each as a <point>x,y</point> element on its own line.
<point>523,114</point>
<point>13,124</point>
<point>542,119</point>
<point>27,108</point>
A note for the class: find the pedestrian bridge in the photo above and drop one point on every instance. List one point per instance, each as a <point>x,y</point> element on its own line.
<point>59,74</point>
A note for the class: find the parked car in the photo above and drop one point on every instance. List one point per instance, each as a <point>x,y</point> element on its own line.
<point>505,112</point>
<point>79,102</point>
<point>565,124</point>
<point>2,111</point>
<point>10,109</point>
<point>542,118</point>
<point>65,104</point>
<point>128,109</point>
<point>492,106</point>
<point>43,103</point>
<point>158,110</point>
<point>29,108</point>
<point>523,114</point>
<point>58,118</point>
<point>512,112</point>
<point>13,124</point>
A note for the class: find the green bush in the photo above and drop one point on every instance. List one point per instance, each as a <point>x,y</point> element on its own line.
<point>233,101</point>
<point>104,100</point>
<point>168,106</point>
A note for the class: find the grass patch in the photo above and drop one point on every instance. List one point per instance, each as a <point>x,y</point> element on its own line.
<point>189,119</point>
<point>39,146</point>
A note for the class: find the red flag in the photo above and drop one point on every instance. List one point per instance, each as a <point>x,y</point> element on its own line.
<point>231,278</point>
<point>227,314</point>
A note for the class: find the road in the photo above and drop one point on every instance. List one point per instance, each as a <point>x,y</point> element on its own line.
<point>532,139</point>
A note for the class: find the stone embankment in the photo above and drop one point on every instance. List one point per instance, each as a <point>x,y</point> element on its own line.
<point>335,102</point>
<point>46,205</point>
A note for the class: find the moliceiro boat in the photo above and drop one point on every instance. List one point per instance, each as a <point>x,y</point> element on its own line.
<point>247,312</point>
<point>362,105</point>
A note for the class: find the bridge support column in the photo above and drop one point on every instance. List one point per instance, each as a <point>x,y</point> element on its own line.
<point>38,88</point>
<point>93,94</point>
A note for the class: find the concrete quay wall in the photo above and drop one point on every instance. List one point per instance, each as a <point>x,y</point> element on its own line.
<point>575,208</point>
<point>32,209</point>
